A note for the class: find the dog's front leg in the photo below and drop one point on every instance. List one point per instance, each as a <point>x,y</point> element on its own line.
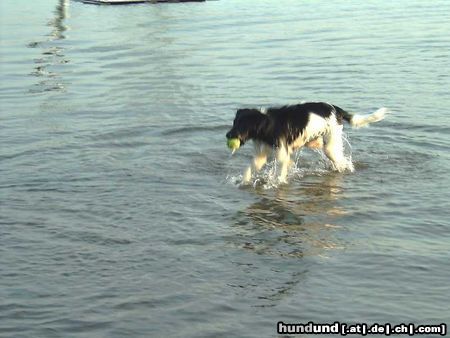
<point>284,157</point>
<point>262,152</point>
<point>247,175</point>
<point>257,163</point>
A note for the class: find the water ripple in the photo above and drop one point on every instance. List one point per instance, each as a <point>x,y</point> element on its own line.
<point>122,212</point>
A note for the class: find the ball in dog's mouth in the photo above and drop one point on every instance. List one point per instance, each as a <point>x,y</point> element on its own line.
<point>233,144</point>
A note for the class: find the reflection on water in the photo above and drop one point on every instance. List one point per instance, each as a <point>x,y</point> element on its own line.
<point>293,221</point>
<point>61,13</point>
<point>51,55</point>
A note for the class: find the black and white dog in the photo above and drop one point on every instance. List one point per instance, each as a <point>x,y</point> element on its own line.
<point>286,129</point>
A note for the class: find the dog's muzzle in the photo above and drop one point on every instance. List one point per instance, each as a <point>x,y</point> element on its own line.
<point>234,134</point>
<point>230,135</point>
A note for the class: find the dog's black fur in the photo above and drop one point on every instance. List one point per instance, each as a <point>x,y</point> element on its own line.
<point>282,123</point>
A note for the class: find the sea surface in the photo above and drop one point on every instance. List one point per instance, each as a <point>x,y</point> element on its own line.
<point>121,208</point>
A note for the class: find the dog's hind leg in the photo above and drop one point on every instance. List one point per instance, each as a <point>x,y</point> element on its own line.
<point>334,149</point>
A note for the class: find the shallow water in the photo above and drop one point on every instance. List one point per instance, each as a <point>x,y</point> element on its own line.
<point>121,210</point>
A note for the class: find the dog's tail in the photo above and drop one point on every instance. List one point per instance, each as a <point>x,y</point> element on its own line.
<point>358,121</point>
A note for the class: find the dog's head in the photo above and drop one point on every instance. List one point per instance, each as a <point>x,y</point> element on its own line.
<point>246,125</point>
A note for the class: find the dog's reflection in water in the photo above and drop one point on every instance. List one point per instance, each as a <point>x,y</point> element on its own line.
<point>286,233</point>
<point>295,220</point>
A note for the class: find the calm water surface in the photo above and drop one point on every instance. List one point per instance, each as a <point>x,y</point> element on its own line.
<point>121,211</point>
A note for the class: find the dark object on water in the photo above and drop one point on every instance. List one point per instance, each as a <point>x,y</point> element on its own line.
<point>130,2</point>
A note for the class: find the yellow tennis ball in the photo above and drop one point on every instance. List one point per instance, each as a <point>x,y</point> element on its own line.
<point>233,143</point>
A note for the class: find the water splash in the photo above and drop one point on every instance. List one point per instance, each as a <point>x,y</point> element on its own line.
<point>311,162</point>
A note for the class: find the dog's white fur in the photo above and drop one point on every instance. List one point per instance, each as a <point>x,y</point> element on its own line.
<point>320,132</point>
